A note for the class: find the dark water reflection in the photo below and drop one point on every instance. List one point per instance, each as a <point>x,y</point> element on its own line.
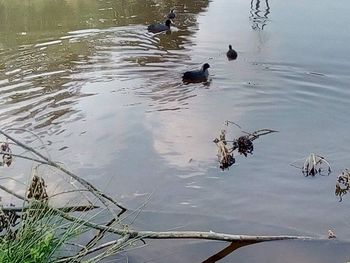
<point>259,14</point>
<point>107,96</point>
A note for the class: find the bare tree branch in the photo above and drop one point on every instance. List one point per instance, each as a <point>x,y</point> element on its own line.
<point>178,234</point>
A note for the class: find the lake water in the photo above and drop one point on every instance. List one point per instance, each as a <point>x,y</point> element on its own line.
<point>108,99</point>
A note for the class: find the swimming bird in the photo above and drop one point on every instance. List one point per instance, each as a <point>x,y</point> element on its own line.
<point>197,75</point>
<point>172,14</point>
<point>231,54</point>
<point>156,28</point>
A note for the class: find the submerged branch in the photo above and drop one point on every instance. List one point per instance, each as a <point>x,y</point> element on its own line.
<point>13,193</point>
<point>119,242</point>
<point>101,196</point>
<point>99,235</point>
<point>69,192</point>
<point>228,250</point>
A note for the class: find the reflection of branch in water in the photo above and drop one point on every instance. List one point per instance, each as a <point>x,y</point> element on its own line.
<point>259,15</point>
<point>228,250</point>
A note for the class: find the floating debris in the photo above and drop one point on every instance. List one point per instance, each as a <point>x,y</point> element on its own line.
<point>331,234</point>
<point>225,155</point>
<point>243,145</point>
<point>343,184</point>
<point>6,154</point>
<point>314,164</point>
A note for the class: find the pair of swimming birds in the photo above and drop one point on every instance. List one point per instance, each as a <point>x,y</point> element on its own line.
<point>202,74</point>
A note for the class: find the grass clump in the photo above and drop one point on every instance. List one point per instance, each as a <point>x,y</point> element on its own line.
<point>38,237</point>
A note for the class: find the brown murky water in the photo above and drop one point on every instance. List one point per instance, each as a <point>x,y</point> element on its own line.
<point>107,98</point>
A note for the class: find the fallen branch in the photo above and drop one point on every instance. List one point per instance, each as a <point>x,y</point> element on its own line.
<point>237,241</point>
<point>65,209</point>
<point>177,234</point>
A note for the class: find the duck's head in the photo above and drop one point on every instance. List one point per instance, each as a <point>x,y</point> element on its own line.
<point>168,23</point>
<point>205,66</point>
<point>230,47</point>
<point>172,10</point>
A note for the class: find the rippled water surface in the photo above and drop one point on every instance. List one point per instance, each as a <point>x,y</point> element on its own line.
<point>108,99</point>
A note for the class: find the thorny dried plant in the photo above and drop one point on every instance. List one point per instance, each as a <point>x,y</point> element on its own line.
<point>331,234</point>
<point>343,184</point>
<point>314,164</point>
<point>243,145</point>
<point>226,158</point>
